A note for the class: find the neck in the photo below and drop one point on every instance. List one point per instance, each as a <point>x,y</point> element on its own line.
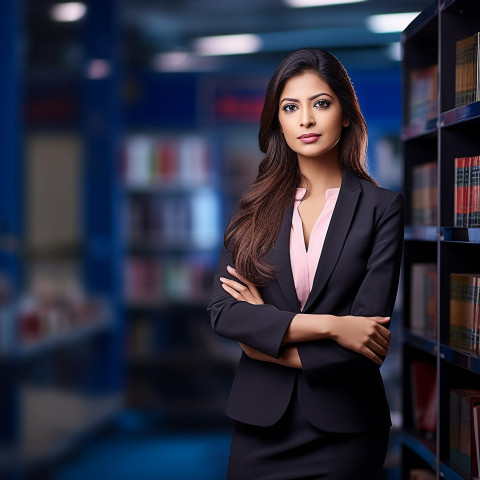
<point>321,173</point>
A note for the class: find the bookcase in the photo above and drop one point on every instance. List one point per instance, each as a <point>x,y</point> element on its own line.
<point>437,130</point>
<point>179,176</point>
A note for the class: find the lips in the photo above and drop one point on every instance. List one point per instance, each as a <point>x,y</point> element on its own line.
<point>309,137</point>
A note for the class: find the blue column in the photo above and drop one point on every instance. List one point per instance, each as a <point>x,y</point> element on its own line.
<point>11,209</point>
<point>102,134</point>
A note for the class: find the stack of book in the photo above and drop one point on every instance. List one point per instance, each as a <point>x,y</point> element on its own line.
<point>464,431</point>
<point>465,312</point>
<point>467,69</point>
<point>423,98</point>
<point>467,191</point>
<point>424,194</point>
<point>423,305</point>
<point>176,221</point>
<point>149,161</point>
<point>424,397</point>
<point>150,282</point>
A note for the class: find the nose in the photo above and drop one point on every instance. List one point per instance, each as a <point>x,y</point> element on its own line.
<point>307,119</point>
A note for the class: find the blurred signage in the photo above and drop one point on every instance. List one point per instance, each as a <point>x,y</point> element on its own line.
<point>226,99</point>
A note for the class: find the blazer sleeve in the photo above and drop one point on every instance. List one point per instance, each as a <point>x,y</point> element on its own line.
<point>259,326</point>
<point>375,297</point>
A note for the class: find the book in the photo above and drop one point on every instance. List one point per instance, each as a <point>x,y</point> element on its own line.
<point>149,160</point>
<point>463,446</point>
<point>422,104</point>
<point>467,70</point>
<point>424,396</point>
<point>424,194</point>
<point>423,299</point>
<point>464,312</point>
<point>467,192</point>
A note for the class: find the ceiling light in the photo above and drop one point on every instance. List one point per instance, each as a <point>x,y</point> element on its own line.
<point>228,44</point>
<point>317,3</point>
<point>68,12</point>
<point>181,61</point>
<point>392,22</point>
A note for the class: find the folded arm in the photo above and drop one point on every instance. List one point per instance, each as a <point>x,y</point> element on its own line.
<point>376,296</point>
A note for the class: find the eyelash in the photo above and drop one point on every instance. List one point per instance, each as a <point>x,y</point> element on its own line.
<point>287,108</point>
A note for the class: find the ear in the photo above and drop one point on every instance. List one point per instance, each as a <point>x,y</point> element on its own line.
<point>346,121</point>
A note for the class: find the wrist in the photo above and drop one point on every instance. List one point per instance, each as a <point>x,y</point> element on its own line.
<point>328,326</point>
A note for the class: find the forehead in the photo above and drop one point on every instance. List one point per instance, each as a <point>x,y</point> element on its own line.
<point>305,85</point>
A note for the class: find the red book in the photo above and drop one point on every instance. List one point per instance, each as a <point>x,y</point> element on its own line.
<point>424,395</point>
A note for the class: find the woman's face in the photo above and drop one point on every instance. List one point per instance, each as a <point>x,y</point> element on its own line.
<point>310,115</point>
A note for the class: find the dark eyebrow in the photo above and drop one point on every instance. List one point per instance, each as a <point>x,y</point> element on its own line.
<point>311,98</point>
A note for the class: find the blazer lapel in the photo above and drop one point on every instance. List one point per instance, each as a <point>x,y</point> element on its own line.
<point>281,260</point>
<point>336,234</point>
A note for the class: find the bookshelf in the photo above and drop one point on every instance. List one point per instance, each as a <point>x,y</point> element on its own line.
<point>437,135</point>
<point>180,175</point>
<point>60,370</point>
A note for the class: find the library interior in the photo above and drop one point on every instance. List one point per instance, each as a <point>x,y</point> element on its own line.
<point>150,111</point>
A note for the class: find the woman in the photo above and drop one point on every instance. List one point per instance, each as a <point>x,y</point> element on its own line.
<point>306,284</point>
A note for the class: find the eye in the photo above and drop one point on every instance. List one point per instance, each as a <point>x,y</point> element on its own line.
<point>290,107</point>
<point>322,104</point>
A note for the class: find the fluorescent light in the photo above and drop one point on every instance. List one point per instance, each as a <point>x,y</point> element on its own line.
<point>68,12</point>
<point>392,22</point>
<point>317,3</point>
<point>180,61</point>
<point>228,44</point>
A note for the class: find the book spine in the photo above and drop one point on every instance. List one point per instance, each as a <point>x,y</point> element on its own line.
<point>458,191</point>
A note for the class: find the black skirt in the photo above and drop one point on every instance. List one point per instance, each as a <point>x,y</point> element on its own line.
<point>293,449</point>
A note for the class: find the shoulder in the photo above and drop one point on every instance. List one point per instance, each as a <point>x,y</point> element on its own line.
<point>380,197</point>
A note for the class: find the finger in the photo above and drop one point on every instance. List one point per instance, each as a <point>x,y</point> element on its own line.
<point>253,289</point>
<point>233,284</point>
<point>242,289</point>
<point>371,355</point>
<point>381,340</point>
<point>384,332</point>
<point>233,272</point>
<point>378,348</point>
<point>231,291</point>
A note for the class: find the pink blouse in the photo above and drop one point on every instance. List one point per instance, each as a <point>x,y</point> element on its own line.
<point>304,262</point>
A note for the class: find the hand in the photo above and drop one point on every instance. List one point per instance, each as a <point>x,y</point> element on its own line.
<point>289,358</point>
<point>365,335</point>
<point>243,293</point>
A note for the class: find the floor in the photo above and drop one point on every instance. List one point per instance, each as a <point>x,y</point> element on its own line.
<point>130,452</point>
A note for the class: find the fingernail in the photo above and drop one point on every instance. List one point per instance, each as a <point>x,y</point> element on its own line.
<point>222,279</point>
<point>230,268</point>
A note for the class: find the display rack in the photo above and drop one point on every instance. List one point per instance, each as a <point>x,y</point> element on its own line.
<point>435,132</point>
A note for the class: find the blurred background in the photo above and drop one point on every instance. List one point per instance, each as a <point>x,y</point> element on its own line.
<point>128,130</point>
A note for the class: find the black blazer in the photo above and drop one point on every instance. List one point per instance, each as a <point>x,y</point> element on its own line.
<point>357,274</point>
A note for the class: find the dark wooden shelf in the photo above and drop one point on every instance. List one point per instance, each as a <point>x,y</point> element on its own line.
<point>28,351</point>
<point>420,22</point>
<point>461,359</point>
<point>429,129</point>
<point>460,115</point>
<point>460,234</point>
<point>460,5</point>
<point>426,233</point>
<point>418,341</point>
<point>424,448</point>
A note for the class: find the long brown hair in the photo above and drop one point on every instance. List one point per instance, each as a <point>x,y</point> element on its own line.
<point>254,227</point>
